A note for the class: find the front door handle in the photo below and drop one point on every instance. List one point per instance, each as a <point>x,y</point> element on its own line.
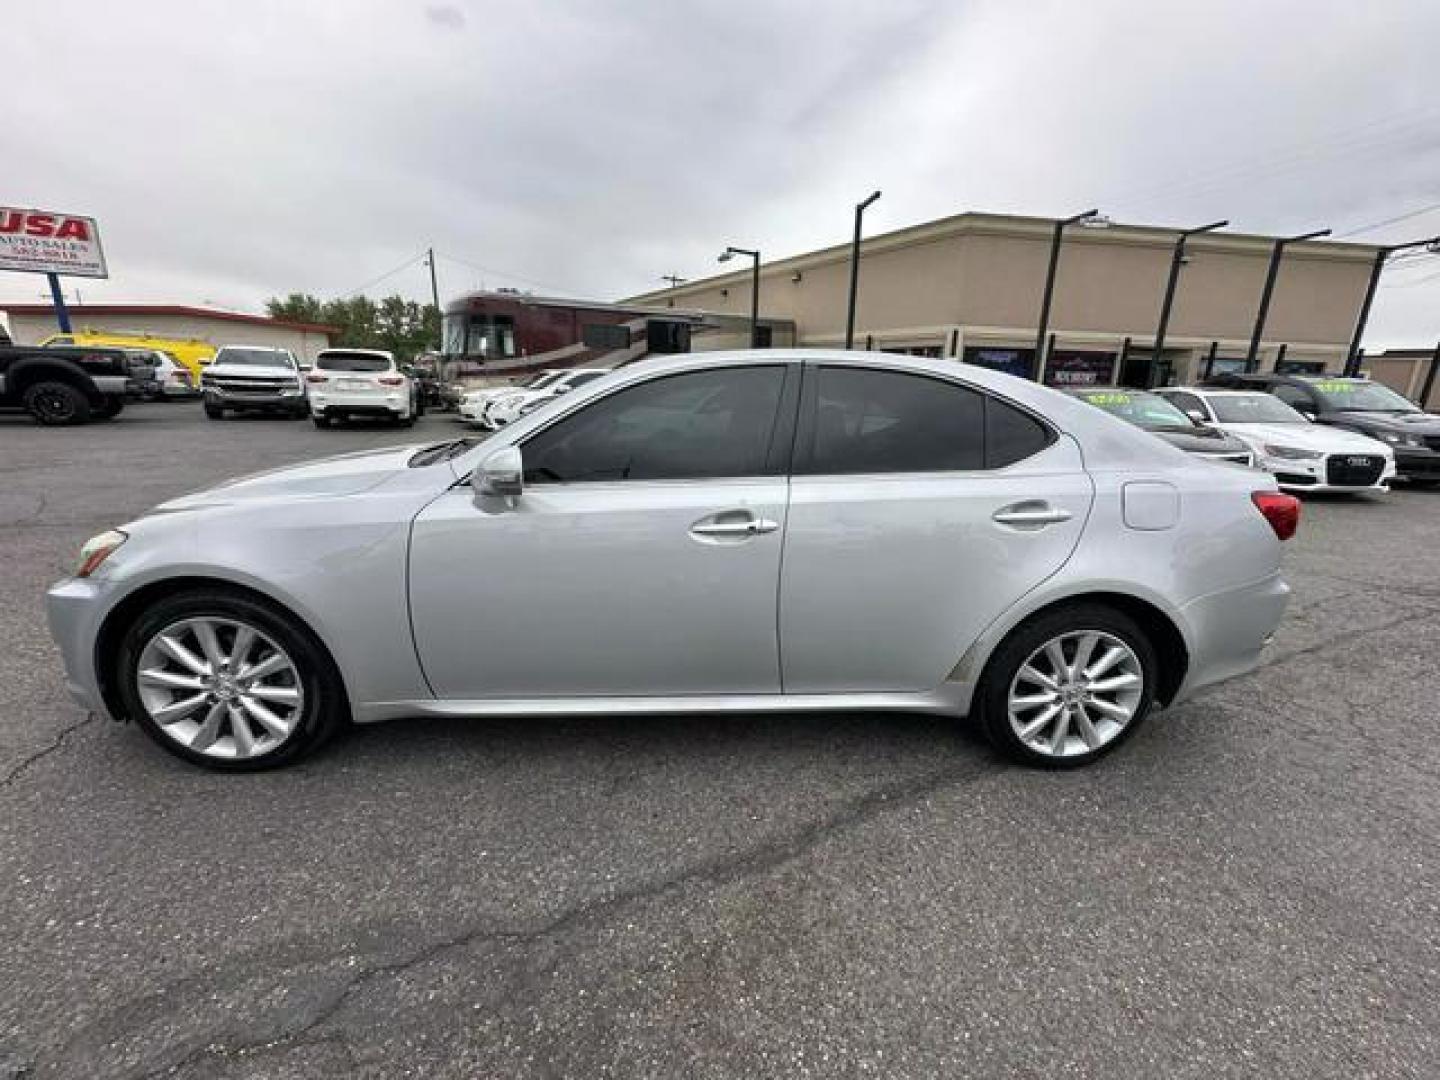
<point>732,526</point>
<point>1031,515</point>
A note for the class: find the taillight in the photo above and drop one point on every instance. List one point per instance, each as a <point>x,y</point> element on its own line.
<point>313,377</point>
<point>1281,511</point>
<point>391,380</point>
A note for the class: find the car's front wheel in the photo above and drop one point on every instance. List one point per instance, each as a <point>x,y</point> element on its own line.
<point>56,404</point>
<point>226,681</point>
<point>1068,686</point>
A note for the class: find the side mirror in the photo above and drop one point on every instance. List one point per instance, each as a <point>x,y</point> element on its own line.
<point>1307,414</point>
<point>501,474</point>
<point>1198,416</point>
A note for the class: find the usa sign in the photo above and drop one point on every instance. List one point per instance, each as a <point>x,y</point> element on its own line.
<point>44,242</point>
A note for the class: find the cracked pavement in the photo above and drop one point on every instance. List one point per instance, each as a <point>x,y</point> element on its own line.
<point>1248,888</point>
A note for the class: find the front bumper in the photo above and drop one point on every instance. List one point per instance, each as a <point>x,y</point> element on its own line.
<point>1313,475</point>
<point>1413,463</point>
<point>233,399</point>
<point>74,608</point>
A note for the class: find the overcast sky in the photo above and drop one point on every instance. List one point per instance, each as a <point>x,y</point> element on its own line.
<point>236,150</point>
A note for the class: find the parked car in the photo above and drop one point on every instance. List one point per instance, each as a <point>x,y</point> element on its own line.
<point>474,402</point>
<point>1362,406</point>
<point>506,410</point>
<point>174,377</point>
<point>348,383</point>
<point>61,386</point>
<point>253,378</point>
<point>1304,456</point>
<point>956,541</point>
<point>1152,413</point>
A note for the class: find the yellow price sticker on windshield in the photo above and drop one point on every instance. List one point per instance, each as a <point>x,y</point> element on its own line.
<point>1335,387</point>
<point>1108,399</point>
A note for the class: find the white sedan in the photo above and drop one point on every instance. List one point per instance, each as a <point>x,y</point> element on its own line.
<point>508,409</point>
<point>473,403</point>
<point>1302,455</point>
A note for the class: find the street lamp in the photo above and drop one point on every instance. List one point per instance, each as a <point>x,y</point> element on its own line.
<point>855,270</point>
<point>1045,297</point>
<point>1275,255</point>
<point>1352,358</point>
<point>725,256</point>
<point>1177,258</point>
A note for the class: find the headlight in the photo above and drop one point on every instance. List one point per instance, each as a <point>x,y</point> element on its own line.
<point>1395,438</point>
<point>97,549</point>
<point>1292,453</point>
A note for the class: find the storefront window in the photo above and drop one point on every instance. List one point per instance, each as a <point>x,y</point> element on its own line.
<point>1018,362</point>
<point>1066,367</point>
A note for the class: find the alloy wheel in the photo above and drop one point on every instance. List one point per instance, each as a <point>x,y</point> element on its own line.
<point>1075,693</point>
<point>220,687</point>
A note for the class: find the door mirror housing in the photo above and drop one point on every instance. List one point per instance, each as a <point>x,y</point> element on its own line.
<point>501,474</point>
<point>1198,416</point>
<point>1307,414</point>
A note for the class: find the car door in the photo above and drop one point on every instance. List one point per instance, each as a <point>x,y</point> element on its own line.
<point>642,558</point>
<point>920,510</point>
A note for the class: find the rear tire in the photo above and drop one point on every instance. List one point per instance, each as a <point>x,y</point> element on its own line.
<point>1097,707</point>
<point>323,707</point>
<point>56,404</point>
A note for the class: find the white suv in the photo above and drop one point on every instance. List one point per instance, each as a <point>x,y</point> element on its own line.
<point>345,383</point>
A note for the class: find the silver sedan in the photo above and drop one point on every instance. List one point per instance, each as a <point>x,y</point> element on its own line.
<point>746,532</point>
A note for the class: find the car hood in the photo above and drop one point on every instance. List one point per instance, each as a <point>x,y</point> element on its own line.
<point>345,474</point>
<point>1416,423</point>
<point>1199,440</point>
<point>266,372</point>
<point>1319,437</point>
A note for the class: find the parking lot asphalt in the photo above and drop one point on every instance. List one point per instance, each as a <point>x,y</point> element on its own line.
<point>1251,887</point>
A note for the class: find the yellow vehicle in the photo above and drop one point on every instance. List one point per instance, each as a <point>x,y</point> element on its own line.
<point>192,352</point>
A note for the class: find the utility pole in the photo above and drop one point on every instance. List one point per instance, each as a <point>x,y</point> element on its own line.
<point>675,280</point>
<point>435,298</point>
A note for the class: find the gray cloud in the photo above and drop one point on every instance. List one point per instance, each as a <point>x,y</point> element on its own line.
<point>590,148</point>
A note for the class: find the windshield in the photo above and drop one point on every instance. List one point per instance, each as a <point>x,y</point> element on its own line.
<point>1253,409</point>
<point>1353,395</point>
<point>351,361</point>
<point>254,357</point>
<point>1140,408</point>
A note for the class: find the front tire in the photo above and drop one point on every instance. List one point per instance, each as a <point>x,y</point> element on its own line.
<point>1068,686</point>
<point>56,404</point>
<point>229,682</point>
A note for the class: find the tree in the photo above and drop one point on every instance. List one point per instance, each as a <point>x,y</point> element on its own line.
<point>395,324</point>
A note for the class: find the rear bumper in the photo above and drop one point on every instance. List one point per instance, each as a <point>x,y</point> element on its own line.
<point>360,403</point>
<point>1229,630</point>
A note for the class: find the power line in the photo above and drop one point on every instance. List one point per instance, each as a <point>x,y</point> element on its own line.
<point>389,274</point>
<point>1390,221</point>
<point>501,273</point>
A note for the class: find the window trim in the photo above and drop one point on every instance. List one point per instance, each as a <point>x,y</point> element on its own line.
<point>809,411</point>
<point>778,455</point>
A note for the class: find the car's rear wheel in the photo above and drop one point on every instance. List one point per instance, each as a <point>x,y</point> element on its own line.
<point>56,404</point>
<point>1069,686</point>
<point>228,682</point>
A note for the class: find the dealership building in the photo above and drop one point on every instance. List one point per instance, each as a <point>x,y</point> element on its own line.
<point>971,287</point>
<point>32,323</point>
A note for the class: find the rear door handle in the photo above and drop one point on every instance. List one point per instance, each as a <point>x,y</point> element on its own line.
<point>1031,515</point>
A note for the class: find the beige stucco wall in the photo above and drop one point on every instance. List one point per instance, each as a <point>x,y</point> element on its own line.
<point>981,276</point>
<point>28,329</point>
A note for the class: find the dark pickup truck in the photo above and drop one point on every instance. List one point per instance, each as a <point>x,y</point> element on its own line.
<point>59,386</point>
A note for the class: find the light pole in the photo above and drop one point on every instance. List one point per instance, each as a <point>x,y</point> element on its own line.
<point>1276,253</point>
<point>725,256</point>
<point>1352,358</point>
<point>1045,297</point>
<point>435,298</point>
<point>1177,259</point>
<point>855,270</point>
